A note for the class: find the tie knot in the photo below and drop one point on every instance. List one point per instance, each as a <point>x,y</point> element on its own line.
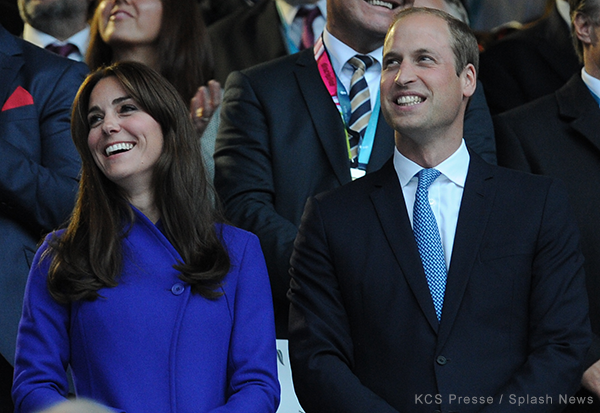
<point>427,176</point>
<point>361,61</point>
<point>62,50</point>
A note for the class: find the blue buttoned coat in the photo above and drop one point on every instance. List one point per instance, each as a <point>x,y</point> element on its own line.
<point>149,344</point>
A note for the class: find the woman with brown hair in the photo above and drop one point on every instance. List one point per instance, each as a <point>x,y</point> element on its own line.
<point>154,304</point>
<point>170,37</point>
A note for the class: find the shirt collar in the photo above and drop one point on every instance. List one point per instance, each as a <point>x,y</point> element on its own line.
<point>340,53</point>
<point>455,167</point>
<point>591,82</point>
<point>288,12</point>
<point>80,39</point>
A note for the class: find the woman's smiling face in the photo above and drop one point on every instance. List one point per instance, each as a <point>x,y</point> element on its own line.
<point>125,141</point>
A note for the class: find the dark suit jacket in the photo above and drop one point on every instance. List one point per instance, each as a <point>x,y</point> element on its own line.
<point>247,38</point>
<point>39,165</point>
<point>282,140</point>
<point>528,64</point>
<point>364,336</point>
<point>557,135</point>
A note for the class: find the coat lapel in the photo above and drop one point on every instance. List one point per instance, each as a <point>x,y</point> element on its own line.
<point>577,105</point>
<point>383,147</point>
<point>475,209</point>
<point>389,205</point>
<point>325,116</point>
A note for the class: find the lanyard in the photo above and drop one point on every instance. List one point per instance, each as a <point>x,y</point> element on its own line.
<point>342,102</point>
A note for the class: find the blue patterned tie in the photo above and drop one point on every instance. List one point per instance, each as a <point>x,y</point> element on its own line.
<point>360,103</point>
<point>428,240</point>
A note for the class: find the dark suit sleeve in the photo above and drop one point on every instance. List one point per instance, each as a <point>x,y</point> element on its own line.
<point>559,330</point>
<point>479,129</point>
<point>244,178</point>
<point>39,189</point>
<point>321,348</point>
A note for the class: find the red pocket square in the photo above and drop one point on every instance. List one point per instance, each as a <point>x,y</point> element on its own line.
<point>20,97</point>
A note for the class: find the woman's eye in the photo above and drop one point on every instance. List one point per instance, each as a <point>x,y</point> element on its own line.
<point>128,108</point>
<point>93,120</point>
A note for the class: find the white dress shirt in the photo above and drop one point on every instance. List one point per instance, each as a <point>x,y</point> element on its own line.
<point>80,39</point>
<point>445,193</point>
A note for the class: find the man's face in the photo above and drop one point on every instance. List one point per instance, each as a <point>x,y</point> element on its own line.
<point>420,90</point>
<point>36,12</point>
<point>370,18</point>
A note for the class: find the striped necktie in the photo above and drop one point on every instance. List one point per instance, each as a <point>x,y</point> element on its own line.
<point>360,103</point>
<point>428,240</point>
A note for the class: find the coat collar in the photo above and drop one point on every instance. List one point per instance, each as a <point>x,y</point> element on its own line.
<point>577,106</point>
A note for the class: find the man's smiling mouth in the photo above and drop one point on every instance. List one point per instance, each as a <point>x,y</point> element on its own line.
<point>381,3</point>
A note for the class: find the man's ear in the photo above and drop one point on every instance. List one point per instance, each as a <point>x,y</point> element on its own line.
<point>469,80</point>
<point>584,28</point>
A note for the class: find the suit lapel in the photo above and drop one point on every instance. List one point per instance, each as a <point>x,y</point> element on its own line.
<point>325,116</point>
<point>383,147</point>
<point>577,104</point>
<point>10,64</point>
<point>389,205</point>
<point>475,209</point>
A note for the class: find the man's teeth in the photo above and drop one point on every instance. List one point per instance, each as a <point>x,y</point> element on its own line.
<point>409,100</point>
<point>381,3</point>
<point>118,147</point>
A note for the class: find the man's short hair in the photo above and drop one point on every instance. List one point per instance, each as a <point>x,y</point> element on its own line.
<point>463,40</point>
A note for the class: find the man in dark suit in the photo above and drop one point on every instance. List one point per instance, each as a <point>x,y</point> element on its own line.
<point>529,63</point>
<point>482,307</point>
<point>557,135</point>
<point>261,33</point>
<point>39,166</point>
<point>282,138</point>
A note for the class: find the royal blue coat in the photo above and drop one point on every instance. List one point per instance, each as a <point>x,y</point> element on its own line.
<point>149,344</point>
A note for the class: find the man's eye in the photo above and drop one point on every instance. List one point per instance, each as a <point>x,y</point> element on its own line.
<point>392,63</point>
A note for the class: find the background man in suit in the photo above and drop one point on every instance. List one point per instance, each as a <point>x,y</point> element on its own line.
<point>61,26</point>
<point>529,63</point>
<point>271,29</point>
<point>557,135</point>
<point>284,137</point>
<point>38,168</point>
<point>485,299</point>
